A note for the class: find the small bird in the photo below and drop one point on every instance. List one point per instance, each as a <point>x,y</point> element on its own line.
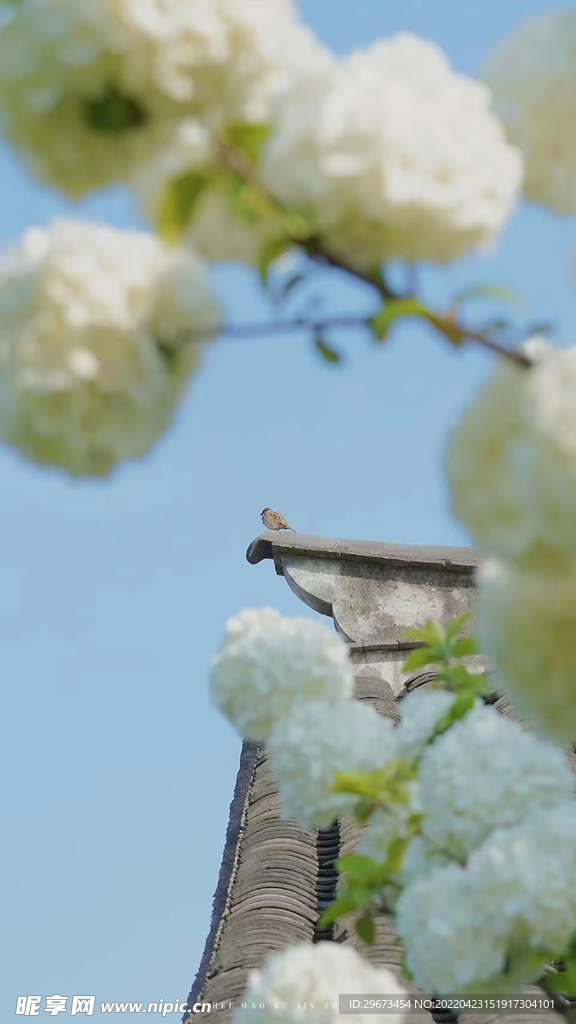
<point>275,520</point>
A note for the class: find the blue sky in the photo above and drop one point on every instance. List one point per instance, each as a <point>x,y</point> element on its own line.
<point>117,771</point>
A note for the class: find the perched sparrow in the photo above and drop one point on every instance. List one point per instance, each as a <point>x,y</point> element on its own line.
<point>275,520</point>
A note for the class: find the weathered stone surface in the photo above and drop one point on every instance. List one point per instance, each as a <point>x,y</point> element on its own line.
<point>273,543</point>
<point>373,592</point>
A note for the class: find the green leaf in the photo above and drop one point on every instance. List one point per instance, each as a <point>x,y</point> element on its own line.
<point>355,783</point>
<point>392,311</point>
<point>250,202</point>
<point>247,138</point>
<point>270,254</point>
<point>464,647</point>
<point>488,291</point>
<point>396,853</point>
<point>344,904</point>
<point>463,703</point>
<point>417,659</point>
<point>383,786</point>
<point>357,868</point>
<point>397,769</point>
<point>300,224</point>
<point>114,113</point>
<point>414,821</point>
<point>326,351</point>
<point>366,875</point>
<point>433,633</point>
<point>457,625</point>
<point>178,204</point>
<point>365,929</point>
<point>457,677</point>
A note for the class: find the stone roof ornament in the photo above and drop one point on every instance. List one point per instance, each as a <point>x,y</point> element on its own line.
<point>372,591</point>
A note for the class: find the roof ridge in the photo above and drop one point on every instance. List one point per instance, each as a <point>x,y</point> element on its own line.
<point>274,542</point>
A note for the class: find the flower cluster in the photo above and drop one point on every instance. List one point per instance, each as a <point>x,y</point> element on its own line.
<point>532,75</point>
<point>270,665</point>
<point>90,90</point>
<point>388,153</point>
<point>527,621</point>
<point>448,938</point>
<point>307,981</point>
<point>440,826</point>
<point>217,229</point>
<point>395,155</point>
<point>288,682</point>
<point>512,461</point>
<point>385,154</point>
<point>482,926</point>
<point>512,471</point>
<point>484,772</point>
<point>421,712</point>
<point>466,915</point>
<point>313,744</point>
<point>100,330</point>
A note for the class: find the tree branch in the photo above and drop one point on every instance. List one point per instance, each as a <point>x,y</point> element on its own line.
<point>264,328</point>
<point>242,166</point>
<point>456,333</point>
<point>315,248</point>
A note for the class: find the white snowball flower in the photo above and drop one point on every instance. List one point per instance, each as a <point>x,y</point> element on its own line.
<point>511,461</point>
<point>313,743</point>
<point>452,936</point>
<point>527,625</point>
<point>484,772</point>
<point>99,332</point>
<point>269,665</point>
<point>420,858</point>
<point>532,75</point>
<point>304,983</point>
<point>384,828</point>
<point>476,928</point>
<point>528,872</point>
<point>396,155</point>
<point>420,713</point>
<point>481,463</point>
<point>89,90</point>
<point>217,230</point>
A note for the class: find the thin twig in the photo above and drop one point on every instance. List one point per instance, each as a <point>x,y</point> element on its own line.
<point>458,333</point>
<point>313,245</point>
<point>264,328</point>
<point>316,249</point>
